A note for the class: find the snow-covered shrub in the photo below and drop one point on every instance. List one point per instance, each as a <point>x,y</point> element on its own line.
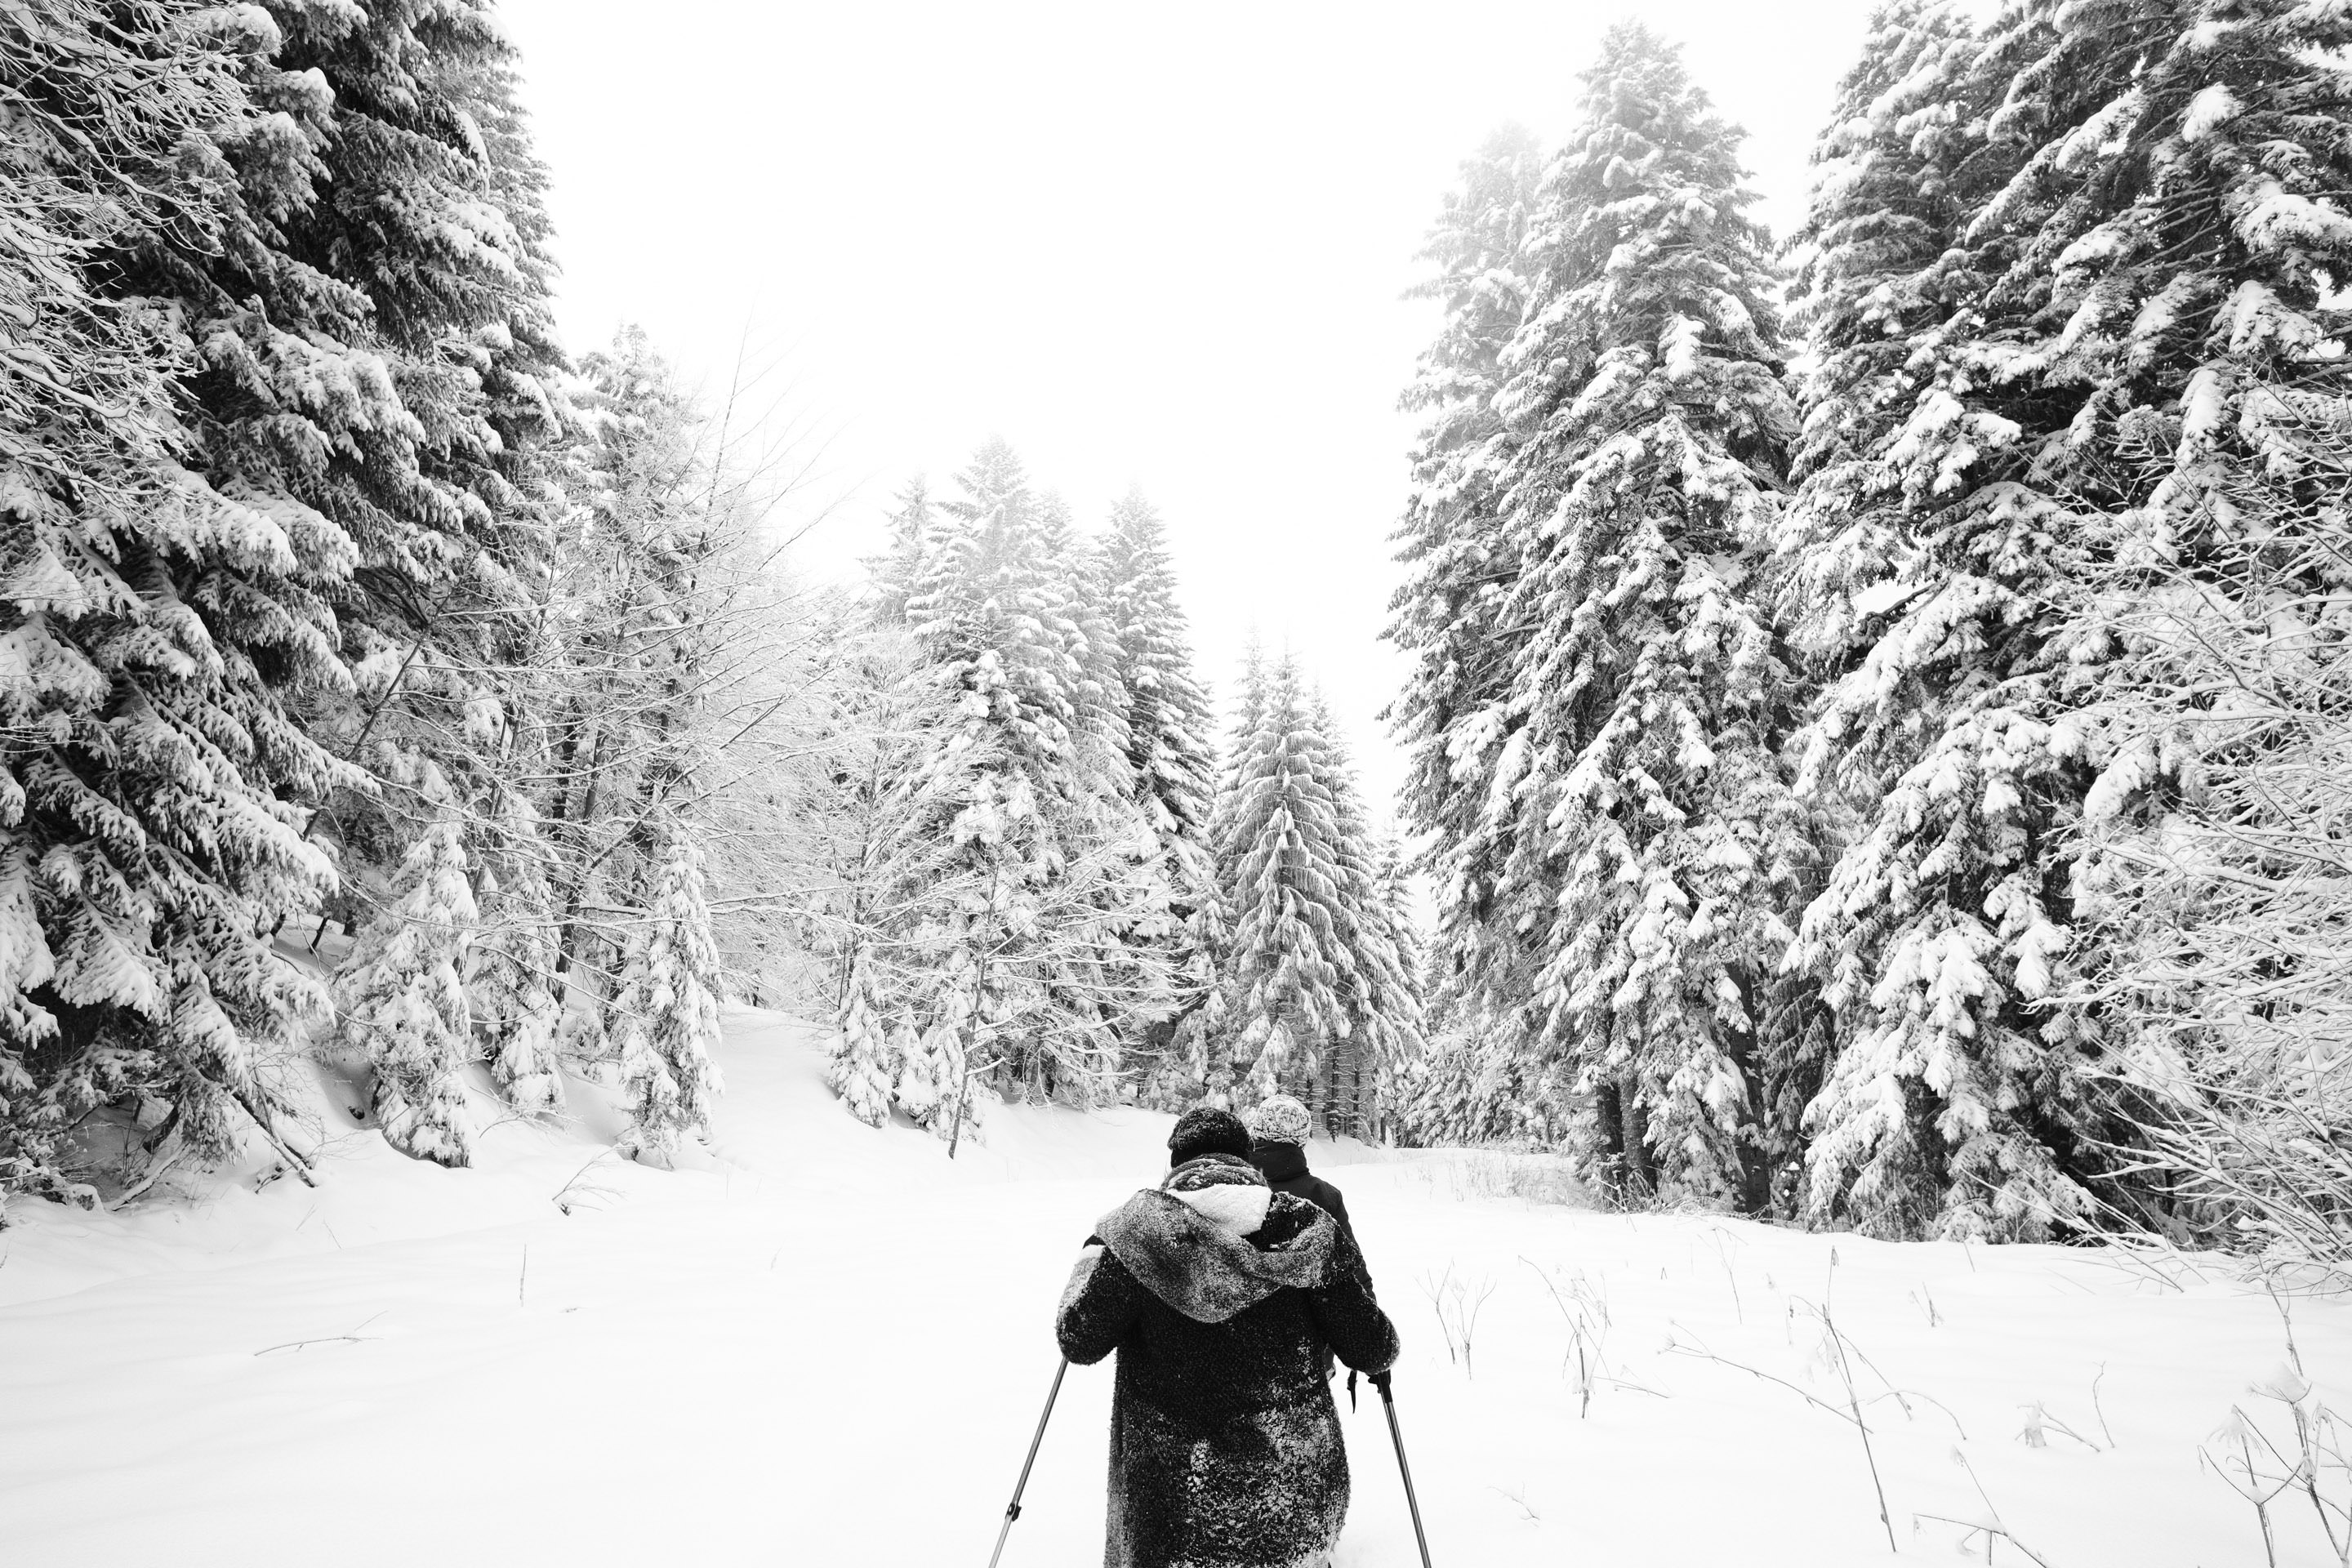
<point>664,1015</point>
<point>403,1002</point>
<point>2218,879</point>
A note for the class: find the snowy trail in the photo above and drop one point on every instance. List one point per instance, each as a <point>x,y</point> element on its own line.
<point>831,1346</point>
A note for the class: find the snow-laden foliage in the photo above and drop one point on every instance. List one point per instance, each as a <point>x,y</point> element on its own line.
<point>1612,898</point>
<point>1320,999</point>
<point>1461,562</point>
<point>511,978</point>
<point>2118,246</point>
<point>1169,728</point>
<point>2215,880</point>
<point>402,998</point>
<point>267,425</point>
<point>664,1013</point>
<point>1017,931</point>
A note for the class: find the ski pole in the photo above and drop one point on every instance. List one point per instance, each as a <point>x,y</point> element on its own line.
<point>1012,1510</point>
<point>1396,1436</point>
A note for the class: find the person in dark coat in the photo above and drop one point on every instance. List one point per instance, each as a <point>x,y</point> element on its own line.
<point>1278,1148</point>
<point>1222,1298</point>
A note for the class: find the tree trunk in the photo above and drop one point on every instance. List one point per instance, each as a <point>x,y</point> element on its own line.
<point>1609,1109</point>
<point>1641,1169</point>
<point>1755,1182</point>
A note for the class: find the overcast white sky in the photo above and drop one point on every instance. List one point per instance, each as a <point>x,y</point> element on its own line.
<point>1159,246</point>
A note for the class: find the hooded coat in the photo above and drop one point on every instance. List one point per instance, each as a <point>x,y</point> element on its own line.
<point>1222,1297</point>
<point>1283,1166</point>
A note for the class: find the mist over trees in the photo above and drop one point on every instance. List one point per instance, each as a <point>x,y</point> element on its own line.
<point>1892,791</point>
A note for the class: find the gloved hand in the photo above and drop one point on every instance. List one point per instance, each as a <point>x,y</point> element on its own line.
<point>1380,1381</point>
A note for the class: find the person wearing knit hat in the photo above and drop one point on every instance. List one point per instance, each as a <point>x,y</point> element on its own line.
<point>1279,1152</point>
<point>1279,1119</point>
<point>1205,1130</point>
<point>1222,1300</point>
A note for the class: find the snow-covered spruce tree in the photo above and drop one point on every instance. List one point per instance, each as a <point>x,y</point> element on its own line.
<point>1475,1084</point>
<point>2150,216</point>
<point>1460,562</point>
<point>1027,956</point>
<point>1278,869</point>
<point>1646,837</point>
<point>1316,997</point>
<point>404,320</point>
<point>889,718</point>
<point>1168,726</point>
<point>1876,274</point>
<point>1201,1055</point>
<point>1169,719</point>
<point>510,980</point>
<point>664,1013</point>
<point>642,598</point>
<point>154,625</point>
<point>340,471</point>
<point>401,997</point>
<point>864,1065</point>
<point>1082,625</point>
<point>1385,998</point>
<point>1398,1054</point>
<point>1899,628</point>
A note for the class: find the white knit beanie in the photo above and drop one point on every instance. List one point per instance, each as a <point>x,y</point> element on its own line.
<point>1279,1119</point>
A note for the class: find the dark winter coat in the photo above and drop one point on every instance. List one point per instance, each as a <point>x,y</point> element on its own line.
<point>1283,1166</point>
<point>1222,1298</point>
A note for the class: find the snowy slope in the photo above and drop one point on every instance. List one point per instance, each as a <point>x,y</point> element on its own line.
<point>829,1347</point>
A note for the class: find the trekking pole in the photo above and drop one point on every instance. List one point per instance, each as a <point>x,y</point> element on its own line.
<point>1396,1434</point>
<point>1012,1510</point>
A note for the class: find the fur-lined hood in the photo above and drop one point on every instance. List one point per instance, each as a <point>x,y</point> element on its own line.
<point>1213,1239</point>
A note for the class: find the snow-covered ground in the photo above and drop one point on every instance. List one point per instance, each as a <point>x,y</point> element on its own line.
<point>829,1345</point>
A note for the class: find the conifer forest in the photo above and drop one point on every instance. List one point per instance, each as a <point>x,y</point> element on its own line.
<point>1875,726</point>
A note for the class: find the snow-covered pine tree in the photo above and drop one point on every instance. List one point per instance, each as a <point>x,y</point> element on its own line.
<point>1168,718</point>
<point>1647,835</point>
<point>665,1011</point>
<point>1203,1060</point>
<point>889,721</point>
<point>1915,597</point>
<point>1398,1050</point>
<point>893,576</point>
<point>154,627</point>
<point>1875,273</point>
<point>638,600</point>
<point>1278,831</point>
<point>517,999</point>
<point>864,1065</point>
<point>1030,952</point>
<point>387,355</point>
<point>1099,702</point>
<point>1384,994</point>
<point>1168,726</point>
<point>347,482</point>
<point>400,995</point>
<point>1460,563</point>
<point>2154,213</point>
<point>1316,994</point>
